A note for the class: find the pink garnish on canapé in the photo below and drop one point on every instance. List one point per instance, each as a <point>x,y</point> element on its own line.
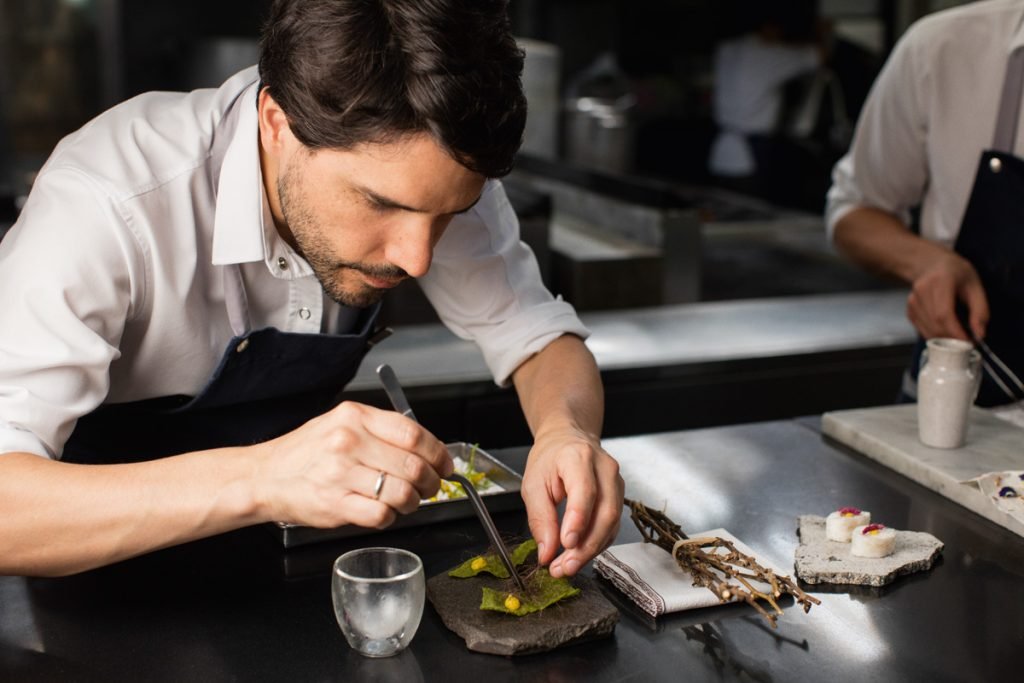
<point>849,512</point>
<point>872,529</point>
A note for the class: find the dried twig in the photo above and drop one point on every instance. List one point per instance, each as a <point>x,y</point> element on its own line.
<point>715,564</point>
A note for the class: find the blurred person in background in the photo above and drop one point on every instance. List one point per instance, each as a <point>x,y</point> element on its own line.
<point>777,107</point>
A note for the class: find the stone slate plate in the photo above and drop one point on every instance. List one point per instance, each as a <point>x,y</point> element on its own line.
<point>819,560</point>
<point>586,616</point>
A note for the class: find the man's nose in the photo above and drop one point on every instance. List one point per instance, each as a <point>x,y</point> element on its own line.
<point>412,246</point>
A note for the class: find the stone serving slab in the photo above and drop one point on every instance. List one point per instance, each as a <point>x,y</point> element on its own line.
<point>888,434</point>
<point>819,560</point>
<point>586,616</point>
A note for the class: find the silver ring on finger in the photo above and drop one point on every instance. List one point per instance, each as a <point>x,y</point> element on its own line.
<point>379,485</point>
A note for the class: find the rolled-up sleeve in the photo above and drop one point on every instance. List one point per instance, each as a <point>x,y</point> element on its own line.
<point>62,314</point>
<point>486,286</point>
<point>887,165</point>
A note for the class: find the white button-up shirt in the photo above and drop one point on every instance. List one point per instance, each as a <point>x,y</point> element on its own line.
<point>111,285</point>
<point>930,114</point>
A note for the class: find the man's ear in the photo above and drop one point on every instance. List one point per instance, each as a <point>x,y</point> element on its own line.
<point>275,132</point>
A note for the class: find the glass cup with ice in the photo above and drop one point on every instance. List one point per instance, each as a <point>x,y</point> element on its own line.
<point>378,596</point>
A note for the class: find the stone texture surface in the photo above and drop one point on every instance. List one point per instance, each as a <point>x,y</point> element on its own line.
<point>586,616</point>
<point>819,560</point>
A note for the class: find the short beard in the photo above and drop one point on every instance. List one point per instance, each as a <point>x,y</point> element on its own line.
<point>309,237</point>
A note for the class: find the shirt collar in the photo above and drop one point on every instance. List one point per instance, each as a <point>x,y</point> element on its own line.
<point>1018,36</point>
<point>243,227</point>
<point>238,217</point>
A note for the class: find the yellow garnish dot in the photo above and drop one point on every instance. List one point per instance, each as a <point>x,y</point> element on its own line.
<point>511,603</point>
<point>477,564</point>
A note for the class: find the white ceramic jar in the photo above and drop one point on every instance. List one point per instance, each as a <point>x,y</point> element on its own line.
<point>946,388</point>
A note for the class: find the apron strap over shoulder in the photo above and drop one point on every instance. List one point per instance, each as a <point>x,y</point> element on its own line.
<point>1009,104</point>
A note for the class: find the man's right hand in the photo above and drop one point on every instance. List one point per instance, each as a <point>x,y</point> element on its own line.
<point>939,277</point>
<point>935,293</point>
<point>323,474</point>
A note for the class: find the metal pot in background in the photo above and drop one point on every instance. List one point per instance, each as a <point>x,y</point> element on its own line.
<point>599,133</point>
<point>598,117</point>
<point>540,84</point>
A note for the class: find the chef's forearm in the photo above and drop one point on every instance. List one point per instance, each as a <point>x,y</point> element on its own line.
<point>880,242</point>
<point>560,387</point>
<point>62,518</point>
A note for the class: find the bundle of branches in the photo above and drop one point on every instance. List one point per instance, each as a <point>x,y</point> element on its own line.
<point>717,565</point>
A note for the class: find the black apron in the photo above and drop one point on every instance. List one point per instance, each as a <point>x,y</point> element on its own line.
<point>267,383</point>
<point>992,238</point>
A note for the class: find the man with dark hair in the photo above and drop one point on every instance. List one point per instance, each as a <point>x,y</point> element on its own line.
<point>197,277</point>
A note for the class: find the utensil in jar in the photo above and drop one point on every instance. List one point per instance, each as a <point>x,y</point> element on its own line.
<point>989,358</point>
<point>991,362</point>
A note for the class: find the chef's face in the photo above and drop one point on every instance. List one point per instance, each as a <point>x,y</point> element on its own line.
<point>368,218</point>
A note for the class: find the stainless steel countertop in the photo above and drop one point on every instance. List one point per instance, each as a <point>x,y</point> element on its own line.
<point>221,609</point>
<point>425,355</point>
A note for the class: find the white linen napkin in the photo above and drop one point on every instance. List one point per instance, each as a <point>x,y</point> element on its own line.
<point>649,576</point>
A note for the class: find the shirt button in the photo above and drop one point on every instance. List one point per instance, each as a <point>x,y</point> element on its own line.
<point>995,164</point>
<point>304,313</point>
<point>242,346</point>
<point>282,263</point>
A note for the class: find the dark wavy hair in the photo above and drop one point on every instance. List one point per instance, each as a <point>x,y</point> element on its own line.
<point>348,72</point>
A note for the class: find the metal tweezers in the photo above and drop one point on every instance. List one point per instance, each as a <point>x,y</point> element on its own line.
<point>394,390</point>
<point>988,359</point>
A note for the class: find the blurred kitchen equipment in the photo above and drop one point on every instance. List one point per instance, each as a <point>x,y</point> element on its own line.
<point>214,60</point>
<point>598,106</point>
<point>540,84</point>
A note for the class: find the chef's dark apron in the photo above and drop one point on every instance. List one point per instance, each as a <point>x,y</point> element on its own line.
<point>267,383</point>
<point>992,239</point>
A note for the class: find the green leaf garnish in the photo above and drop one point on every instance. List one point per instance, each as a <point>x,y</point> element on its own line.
<point>522,551</point>
<point>543,590</point>
<point>492,563</point>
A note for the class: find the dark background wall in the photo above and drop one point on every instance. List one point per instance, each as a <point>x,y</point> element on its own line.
<point>63,61</point>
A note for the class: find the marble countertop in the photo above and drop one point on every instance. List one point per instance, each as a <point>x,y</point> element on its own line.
<point>888,434</point>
